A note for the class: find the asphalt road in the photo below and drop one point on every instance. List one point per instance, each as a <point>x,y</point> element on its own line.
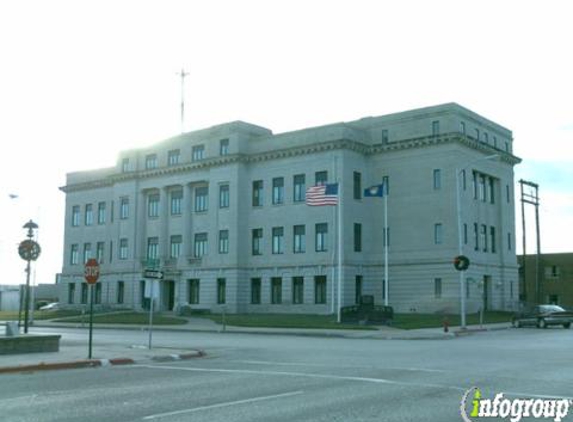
<point>285,378</point>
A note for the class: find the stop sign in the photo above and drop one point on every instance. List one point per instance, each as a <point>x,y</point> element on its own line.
<point>91,272</point>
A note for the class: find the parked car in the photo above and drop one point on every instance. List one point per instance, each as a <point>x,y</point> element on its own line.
<point>50,307</point>
<point>542,316</point>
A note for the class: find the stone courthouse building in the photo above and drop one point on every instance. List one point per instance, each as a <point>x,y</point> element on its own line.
<point>222,213</point>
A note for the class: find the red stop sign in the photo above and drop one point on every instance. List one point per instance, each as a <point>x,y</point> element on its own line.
<point>91,272</point>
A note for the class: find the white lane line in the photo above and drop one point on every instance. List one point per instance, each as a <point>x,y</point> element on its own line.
<point>305,375</point>
<point>535,396</point>
<point>219,405</point>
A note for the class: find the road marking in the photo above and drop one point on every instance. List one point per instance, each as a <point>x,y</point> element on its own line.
<point>219,405</point>
<point>305,375</point>
<point>536,396</point>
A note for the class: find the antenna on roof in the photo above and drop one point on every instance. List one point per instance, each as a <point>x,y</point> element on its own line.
<point>182,74</point>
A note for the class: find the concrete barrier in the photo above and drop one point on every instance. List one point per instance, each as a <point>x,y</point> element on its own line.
<point>29,343</point>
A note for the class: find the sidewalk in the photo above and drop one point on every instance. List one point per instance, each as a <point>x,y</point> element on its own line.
<point>73,354</point>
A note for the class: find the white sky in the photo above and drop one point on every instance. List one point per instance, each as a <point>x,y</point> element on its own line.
<point>82,80</point>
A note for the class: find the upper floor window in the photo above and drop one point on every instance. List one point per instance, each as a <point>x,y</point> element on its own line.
<point>197,152</point>
<point>257,193</point>
<point>321,232</point>
<point>175,246</point>
<point>320,177</point>
<point>75,254</point>
<point>299,236</point>
<point>176,200</point>
<point>223,241</point>
<point>200,245</point>
<point>125,165</point>
<point>100,251</point>
<point>173,157</point>
<point>123,248</point>
<point>477,134</point>
<point>224,196</point>
<point>150,161</point>
<point>437,179</point>
<point>435,127</point>
<point>201,198</point>
<point>124,208</point>
<point>357,237</point>
<point>153,205</point>
<point>495,142</point>
<point>152,248</point>
<point>278,240</point>
<point>101,213</point>
<point>486,137</point>
<point>89,218</point>
<point>224,147</point>
<point>278,190</point>
<point>463,127</point>
<point>384,136</point>
<point>75,216</point>
<point>438,234</point>
<point>299,188</point>
<point>257,242</point>
<point>357,185</point>
<point>87,251</point>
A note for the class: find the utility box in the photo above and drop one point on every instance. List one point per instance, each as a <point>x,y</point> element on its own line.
<point>12,329</point>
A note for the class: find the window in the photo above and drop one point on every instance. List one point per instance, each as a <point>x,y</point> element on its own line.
<point>299,239</point>
<point>200,246</point>
<point>173,157</point>
<point>224,147</point>
<point>475,184</point>
<point>465,234</point>
<point>476,237</point>
<point>437,288</point>
<point>483,237</point>
<point>194,288</point>
<point>150,161</point>
<point>84,294</point>
<point>491,190</point>
<point>278,190</point>
<point>257,243</point>
<point>110,251</point>
<point>97,293</point>
<point>221,291</point>
<point>255,291</point>
<point>89,217</point>
<point>153,205</point>
<point>223,196</point>
<point>258,193</point>
<point>99,251</point>
<point>463,176</point>
<point>438,234</point>
<point>463,127</point>
<point>437,179</point>
<point>175,246</point>
<point>297,290</point>
<point>75,216</point>
<point>124,208</point>
<point>125,165</point>
<point>357,185</point>
<point>201,199</point>
<point>485,137</point>
<point>223,241</point>
<point>320,289</point>
<point>278,240</point>
<point>123,249</point>
<point>495,142</point>
<point>152,248</point>
<point>71,292</point>
<point>176,200</point>
<point>552,272</point>
<point>299,188</point>
<point>276,290</point>
<point>197,153</point>
<point>357,237</point>
<point>120,292</point>
<point>75,254</point>
<point>384,136</point>
<point>507,147</point>
<point>87,252</point>
<point>553,299</point>
<point>101,213</point>
<point>477,134</point>
<point>320,178</point>
<point>509,241</point>
<point>320,234</point>
<point>435,127</point>
<point>357,289</point>
<point>492,237</point>
<point>482,193</point>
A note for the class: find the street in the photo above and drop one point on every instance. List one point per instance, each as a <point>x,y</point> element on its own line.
<point>287,378</point>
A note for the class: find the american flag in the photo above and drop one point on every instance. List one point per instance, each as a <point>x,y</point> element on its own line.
<point>322,195</point>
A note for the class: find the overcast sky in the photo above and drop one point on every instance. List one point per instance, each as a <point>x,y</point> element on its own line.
<point>82,80</point>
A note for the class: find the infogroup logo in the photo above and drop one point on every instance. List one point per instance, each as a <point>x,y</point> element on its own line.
<point>474,407</point>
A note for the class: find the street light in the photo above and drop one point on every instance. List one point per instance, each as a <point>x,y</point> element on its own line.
<point>460,235</point>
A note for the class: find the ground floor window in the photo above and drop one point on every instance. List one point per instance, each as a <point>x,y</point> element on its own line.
<point>255,291</point>
<point>84,297</point>
<point>276,290</point>
<point>320,289</point>
<point>71,292</point>
<point>97,293</point>
<point>297,290</point>
<point>437,288</point>
<point>120,292</point>
<point>357,289</point>
<point>221,291</point>
<point>194,287</point>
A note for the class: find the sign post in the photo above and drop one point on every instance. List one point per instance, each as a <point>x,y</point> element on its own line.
<point>91,274</point>
<point>152,275</point>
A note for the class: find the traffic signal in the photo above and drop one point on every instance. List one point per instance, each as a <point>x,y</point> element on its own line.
<point>461,263</point>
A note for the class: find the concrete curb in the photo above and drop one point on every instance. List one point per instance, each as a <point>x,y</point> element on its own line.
<point>94,363</point>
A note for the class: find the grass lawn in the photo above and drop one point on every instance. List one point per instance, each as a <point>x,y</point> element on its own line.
<point>38,315</point>
<point>282,321</point>
<point>412,321</point>
<point>138,318</point>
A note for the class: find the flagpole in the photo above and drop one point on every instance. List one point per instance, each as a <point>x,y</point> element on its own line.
<point>334,216</point>
<point>339,251</point>
<point>386,246</point>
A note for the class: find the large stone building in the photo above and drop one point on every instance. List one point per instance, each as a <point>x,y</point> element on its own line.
<point>222,212</point>
<point>547,278</point>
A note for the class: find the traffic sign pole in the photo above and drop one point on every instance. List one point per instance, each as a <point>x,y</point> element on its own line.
<point>91,320</point>
<point>91,274</point>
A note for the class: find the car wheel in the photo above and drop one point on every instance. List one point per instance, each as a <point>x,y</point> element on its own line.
<point>541,323</point>
<point>567,325</point>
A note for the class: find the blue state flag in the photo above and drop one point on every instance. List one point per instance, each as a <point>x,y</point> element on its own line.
<point>376,190</point>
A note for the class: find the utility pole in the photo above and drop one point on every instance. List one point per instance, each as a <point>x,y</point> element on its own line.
<point>531,196</point>
<point>182,75</point>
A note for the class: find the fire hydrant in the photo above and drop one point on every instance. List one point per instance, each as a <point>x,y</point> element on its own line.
<point>446,324</point>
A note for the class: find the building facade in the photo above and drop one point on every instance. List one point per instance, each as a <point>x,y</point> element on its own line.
<point>222,212</point>
<point>547,279</point>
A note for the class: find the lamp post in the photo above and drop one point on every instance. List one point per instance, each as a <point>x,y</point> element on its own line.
<point>460,236</point>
